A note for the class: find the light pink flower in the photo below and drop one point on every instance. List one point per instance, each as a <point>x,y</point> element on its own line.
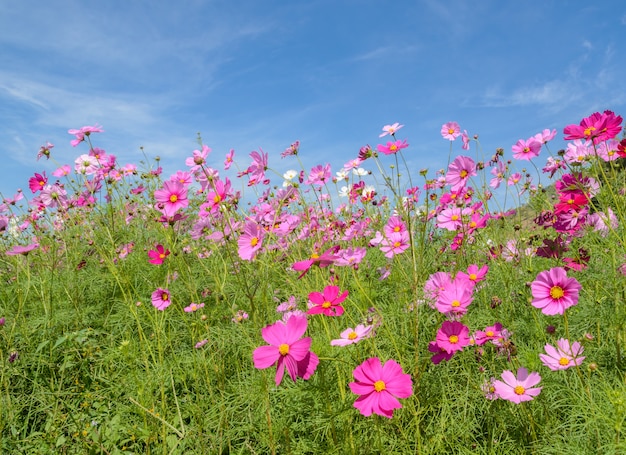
<point>192,307</point>
<point>380,386</point>
<point>84,131</point>
<point>564,356</point>
<point>526,149</point>
<point>520,388</point>
<point>171,198</point>
<point>390,129</point>
<point>450,131</point>
<point>251,241</point>
<point>553,291</point>
<point>351,336</point>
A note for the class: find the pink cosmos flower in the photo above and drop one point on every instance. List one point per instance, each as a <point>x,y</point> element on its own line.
<point>491,333</point>
<point>325,259</point>
<point>564,356</point>
<point>62,171</point>
<point>328,302</point>
<point>319,175</point>
<point>44,150</point>
<point>450,131</point>
<point>475,274</point>
<point>161,299</point>
<point>287,349</point>
<point>553,292</point>
<point>192,307</point>
<point>545,136</point>
<point>86,164</point>
<point>380,386</point>
<point>251,241</point>
<point>390,129</point>
<point>228,162</point>
<point>158,255</point>
<point>455,297</point>
<point>395,243</point>
<point>459,171</point>
<point>84,131</point>
<point>520,388</point>
<point>197,158</point>
<point>453,336</point>
<point>171,198</point>
<point>22,249</point>
<point>466,140</point>
<point>526,149</point>
<point>392,147</point>
<point>597,127</point>
<point>351,336</point>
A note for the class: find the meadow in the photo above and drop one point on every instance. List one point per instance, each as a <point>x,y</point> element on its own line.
<point>252,306</point>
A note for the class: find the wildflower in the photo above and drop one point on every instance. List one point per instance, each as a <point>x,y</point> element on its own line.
<point>201,343</point>
<point>251,241</point>
<point>2,321</point>
<point>439,353</point>
<point>474,274</point>
<point>380,386</point>
<point>392,147</point>
<point>291,150</point>
<point>328,302</point>
<point>459,171</point>
<point>240,317</point>
<point>491,333</point>
<point>526,150</point>
<point>395,243</point>
<point>390,129</point>
<point>197,158</point>
<point>319,175</point>
<point>450,131</point>
<point>229,159</point>
<point>171,198</point>
<point>553,292</point>
<point>62,171</point>
<point>84,131</point>
<point>564,356</point>
<point>161,299</point>
<point>86,165</point>
<point>37,182</point>
<point>325,259</point>
<point>520,388</point>
<point>286,349</point>
<point>455,297</point>
<point>597,127</point>
<point>466,140</point>
<point>192,307</point>
<point>44,150</point>
<point>489,389</point>
<point>351,336</point>
<point>289,305</point>
<point>158,255</point>
<point>22,249</point>
<point>453,336</point>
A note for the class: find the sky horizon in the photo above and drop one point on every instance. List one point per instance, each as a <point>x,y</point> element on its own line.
<point>249,75</point>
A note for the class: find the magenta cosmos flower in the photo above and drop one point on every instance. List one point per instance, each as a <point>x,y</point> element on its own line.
<point>553,292</point>
<point>287,349</point>
<point>351,336</point>
<point>325,259</point>
<point>158,255</point>
<point>328,302</point>
<point>564,356</point>
<point>161,299</point>
<point>392,147</point>
<point>520,388</point>
<point>380,386</point>
<point>171,197</point>
<point>453,336</point>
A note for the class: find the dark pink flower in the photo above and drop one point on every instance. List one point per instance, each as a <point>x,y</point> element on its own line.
<point>287,349</point>
<point>439,353</point>
<point>380,386</point>
<point>158,255</point>
<point>526,149</point>
<point>171,198</point>
<point>328,302</point>
<point>251,241</point>
<point>38,182</point>
<point>453,336</point>
<point>392,147</point>
<point>459,172</point>
<point>325,259</point>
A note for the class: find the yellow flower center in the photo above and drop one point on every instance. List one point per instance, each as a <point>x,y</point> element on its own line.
<point>463,174</point>
<point>489,333</point>
<point>165,296</point>
<point>173,198</point>
<point>254,241</point>
<point>453,339</point>
<point>556,292</point>
<point>450,130</point>
<point>454,217</point>
<point>396,229</point>
<point>563,361</point>
<point>315,256</point>
<point>217,198</point>
<point>393,148</point>
<point>326,304</point>
<point>472,276</point>
<point>379,386</point>
<point>352,336</point>
<point>519,390</point>
<point>589,131</point>
<point>396,244</point>
<point>455,303</point>
<point>283,349</point>
<point>162,256</point>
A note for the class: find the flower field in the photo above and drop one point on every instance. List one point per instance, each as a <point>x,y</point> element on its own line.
<point>249,305</point>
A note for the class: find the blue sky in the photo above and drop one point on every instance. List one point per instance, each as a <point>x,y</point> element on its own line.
<point>263,73</point>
